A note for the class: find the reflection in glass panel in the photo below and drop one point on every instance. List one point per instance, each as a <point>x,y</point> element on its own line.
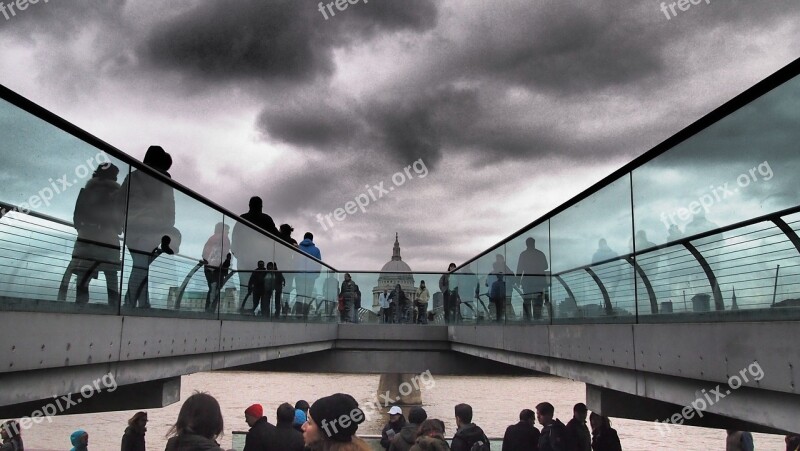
<point>61,215</point>
<point>739,168</point>
<point>530,253</point>
<point>590,277</point>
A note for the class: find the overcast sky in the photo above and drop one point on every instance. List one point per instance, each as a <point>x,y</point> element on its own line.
<point>508,108</point>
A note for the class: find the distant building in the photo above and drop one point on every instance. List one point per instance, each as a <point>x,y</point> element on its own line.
<point>393,272</point>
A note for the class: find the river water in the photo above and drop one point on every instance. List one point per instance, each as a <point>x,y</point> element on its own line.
<point>496,402</point>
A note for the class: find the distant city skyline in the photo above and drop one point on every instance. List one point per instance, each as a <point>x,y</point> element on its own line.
<point>511,108</point>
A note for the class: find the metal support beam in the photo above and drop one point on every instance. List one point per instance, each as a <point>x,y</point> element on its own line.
<point>719,303</point>
<point>606,299</point>
<point>647,285</point>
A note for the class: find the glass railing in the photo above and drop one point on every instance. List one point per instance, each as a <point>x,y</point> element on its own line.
<point>701,228</point>
<point>86,229</point>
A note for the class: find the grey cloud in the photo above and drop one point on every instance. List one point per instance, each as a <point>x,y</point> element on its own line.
<point>272,41</point>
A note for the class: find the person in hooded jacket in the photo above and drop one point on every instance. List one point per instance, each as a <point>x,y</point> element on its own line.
<point>553,430</point>
<point>12,438</point>
<point>133,439</point>
<point>430,437</point>
<point>522,435</point>
<point>468,433</point>
<point>198,426</point>
<point>393,427</point>
<point>79,440</point>
<point>408,434</point>
<point>262,433</point>
<point>151,218</point>
<point>98,219</point>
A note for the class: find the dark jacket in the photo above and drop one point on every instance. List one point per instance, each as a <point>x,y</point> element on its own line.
<point>466,437</point>
<point>350,292</point>
<point>522,436</point>
<point>260,436</point>
<point>606,441</point>
<point>435,443</point>
<point>191,442</point>
<point>405,439</point>
<point>577,436</point>
<point>132,440</point>
<point>552,437</point>
<point>287,438</point>
<point>396,427</point>
<point>14,444</point>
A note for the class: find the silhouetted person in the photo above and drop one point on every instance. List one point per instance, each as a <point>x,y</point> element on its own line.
<point>401,304</point>
<point>349,291</point>
<point>553,430</point>
<point>499,270</point>
<point>421,298</point>
<point>792,442</point>
<point>531,271</point>
<point>523,435</point>
<point>272,281</point>
<point>216,249</point>
<point>604,438</point>
<point>468,433</point>
<point>98,219</point>
<point>255,286</point>
<point>248,245</point>
<point>151,217</point>
<point>286,437</point>
<point>133,439</point>
<point>448,298</point>
<point>308,272</point>
<point>285,233</point>
<point>577,436</point>
<point>603,252</point>
<point>404,440</point>
<point>280,283</point>
<point>739,441</point>
<point>430,437</point>
<point>12,436</point>
<point>497,295</point>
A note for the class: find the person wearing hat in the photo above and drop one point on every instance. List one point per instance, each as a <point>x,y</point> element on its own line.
<point>408,434</point>
<point>393,427</point>
<point>299,420</point>
<point>261,432</point>
<point>332,424</point>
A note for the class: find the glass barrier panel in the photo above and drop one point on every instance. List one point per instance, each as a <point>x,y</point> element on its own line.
<point>165,238</point>
<point>255,284</point>
<point>595,232</point>
<point>51,180</point>
<point>739,168</point>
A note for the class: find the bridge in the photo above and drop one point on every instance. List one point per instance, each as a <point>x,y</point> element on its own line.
<point>671,282</point>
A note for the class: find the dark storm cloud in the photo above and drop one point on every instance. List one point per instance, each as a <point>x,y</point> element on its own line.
<point>277,40</point>
<point>567,48</point>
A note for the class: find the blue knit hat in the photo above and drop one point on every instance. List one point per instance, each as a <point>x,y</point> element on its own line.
<point>299,417</point>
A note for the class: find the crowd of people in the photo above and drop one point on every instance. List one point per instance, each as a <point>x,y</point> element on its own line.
<point>331,423</point>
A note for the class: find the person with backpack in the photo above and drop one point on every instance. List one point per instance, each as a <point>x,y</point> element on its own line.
<point>553,430</point>
<point>469,437</point>
<point>98,219</point>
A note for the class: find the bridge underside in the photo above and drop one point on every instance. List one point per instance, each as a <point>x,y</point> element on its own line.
<point>639,371</point>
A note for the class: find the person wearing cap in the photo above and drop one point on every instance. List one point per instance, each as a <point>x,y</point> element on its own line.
<point>332,424</point>
<point>299,420</point>
<point>393,427</point>
<point>286,438</point>
<point>261,433</point>
<point>408,434</point>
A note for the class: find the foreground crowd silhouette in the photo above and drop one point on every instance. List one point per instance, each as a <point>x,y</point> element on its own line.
<point>331,423</point>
